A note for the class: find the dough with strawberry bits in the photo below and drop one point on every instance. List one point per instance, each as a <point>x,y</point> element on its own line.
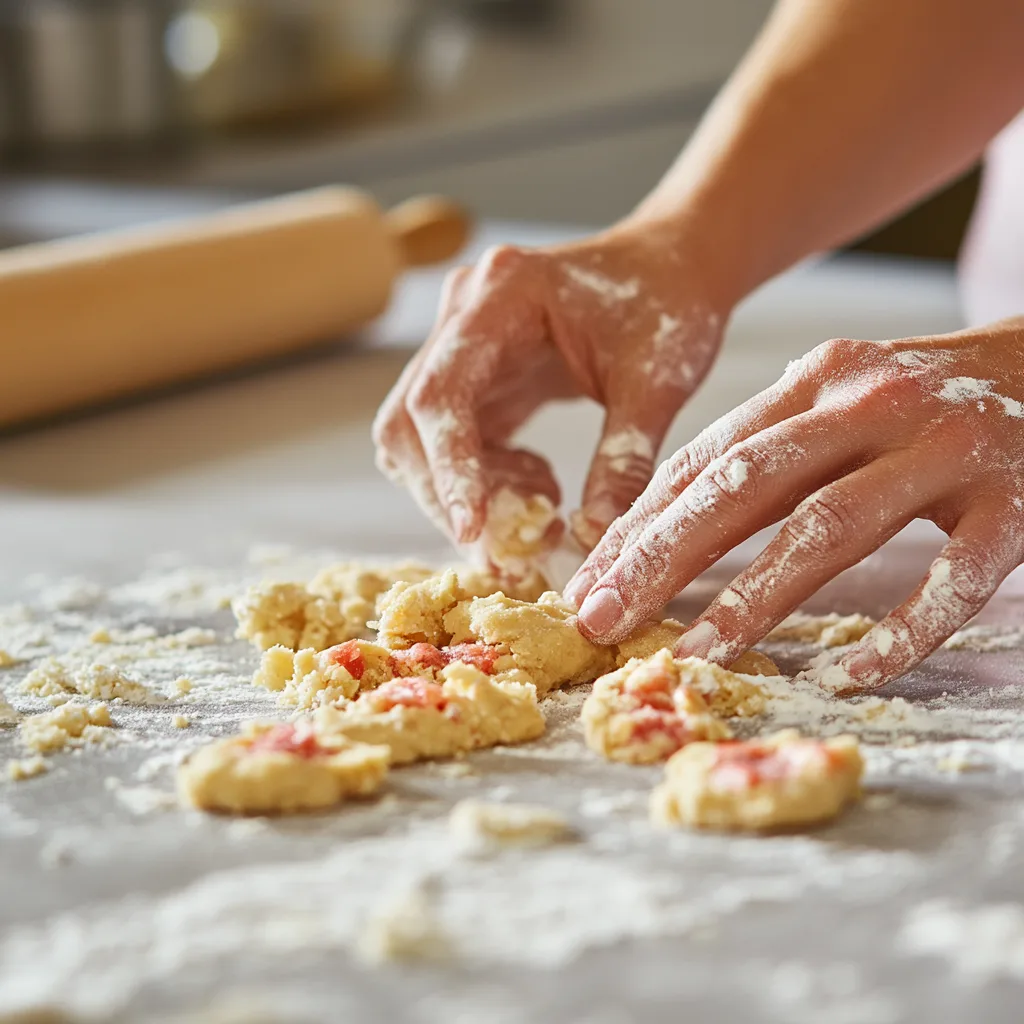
<point>309,678</point>
<point>417,718</point>
<point>546,647</point>
<point>646,710</point>
<point>783,780</point>
<point>658,636</point>
<point>333,607</point>
<point>280,768</point>
<point>535,642</point>
<point>649,708</point>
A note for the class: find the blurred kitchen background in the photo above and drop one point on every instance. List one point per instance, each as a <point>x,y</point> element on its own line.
<point>564,111</point>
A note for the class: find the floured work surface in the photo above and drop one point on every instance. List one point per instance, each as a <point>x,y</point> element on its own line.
<point>118,905</point>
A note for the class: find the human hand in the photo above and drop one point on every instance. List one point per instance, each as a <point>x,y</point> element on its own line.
<point>857,439</point>
<point>621,318</point>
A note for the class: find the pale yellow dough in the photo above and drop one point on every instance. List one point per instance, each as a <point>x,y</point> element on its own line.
<point>309,678</point>
<point>646,710</point>
<point>657,636</point>
<point>832,630</point>
<point>229,776</point>
<point>339,603</point>
<point>54,730</point>
<point>56,678</point>
<point>476,824</point>
<point>479,713</point>
<point>26,768</point>
<point>333,607</point>
<point>780,781</point>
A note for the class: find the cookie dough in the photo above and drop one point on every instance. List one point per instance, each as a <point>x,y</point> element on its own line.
<point>517,532</point>
<point>542,638</point>
<point>476,824</point>
<point>832,630</point>
<point>55,678</point>
<point>657,636</point>
<point>648,709</point>
<point>417,718</point>
<point>309,678</point>
<point>780,781</point>
<point>54,730</point>
<point>280,768</point>
<point>26,768</point>
<point>333,607</point>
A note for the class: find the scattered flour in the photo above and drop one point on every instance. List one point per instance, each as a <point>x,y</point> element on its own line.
<point>967,389</point>
<point>982,944</point>
<point>607,289</point>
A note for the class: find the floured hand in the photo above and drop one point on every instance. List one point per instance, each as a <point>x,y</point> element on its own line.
<point>856,440</point>
<point>619,318</point>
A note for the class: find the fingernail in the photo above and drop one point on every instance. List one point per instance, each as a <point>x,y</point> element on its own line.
<point>697,641</point>
<point>578,587</point>
<point>601,611</point>
<point>461,520</point>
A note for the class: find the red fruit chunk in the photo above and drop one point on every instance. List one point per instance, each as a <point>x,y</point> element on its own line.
<point>410,692</point>
<point>348,656</point>
<point>480,656</point>
<point>287,739</point>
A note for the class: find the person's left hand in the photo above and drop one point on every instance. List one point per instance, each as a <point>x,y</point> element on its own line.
<point>856,440</point>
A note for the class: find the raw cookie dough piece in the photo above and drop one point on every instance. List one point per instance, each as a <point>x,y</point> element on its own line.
<point>55,678</point>
<point>657,636</point>
<point>26,768</point>
<point>280,768</point>
<point>758,784</point>
<point>417,718</point>
<point>646,710</point>
<point>832,630</point>
<point>414,613</point>
<point>546,646</point>
<point>517,532</point>
<point>8,716</point>
<point>57,729</point>
<point>309,678</point>
<point>334,607</point>
<point>476,824</point>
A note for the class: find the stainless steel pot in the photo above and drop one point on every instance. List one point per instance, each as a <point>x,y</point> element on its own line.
<point>97,72</point>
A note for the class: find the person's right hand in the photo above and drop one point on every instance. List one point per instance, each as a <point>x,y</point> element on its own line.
<point>621,318</point>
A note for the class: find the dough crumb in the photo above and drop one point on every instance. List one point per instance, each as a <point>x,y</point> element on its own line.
<point>8,716</point>
<point>55,730</point>
<point>54,678</point>
<point>7,659</point>
<point>26,768</point>
<point>477,825</point>
<point>405,931</point>
<point>832,630</point>
<point>181,686</point>
<point>335,606</point>
<point>181,721</point>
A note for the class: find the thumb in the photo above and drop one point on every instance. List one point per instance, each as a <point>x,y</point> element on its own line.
<point>620,471</point>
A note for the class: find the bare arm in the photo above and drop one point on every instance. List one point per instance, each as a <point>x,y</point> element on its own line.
<point>843,112</point>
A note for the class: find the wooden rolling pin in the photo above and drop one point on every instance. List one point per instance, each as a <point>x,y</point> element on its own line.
<point>86,319</point>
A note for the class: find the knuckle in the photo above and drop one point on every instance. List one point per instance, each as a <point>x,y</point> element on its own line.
<point>823,522</point>
<point>838,354</point>
<point>647,563</point>
<point>974,574</point>
<point>502,259</point>
<point>677,471</point>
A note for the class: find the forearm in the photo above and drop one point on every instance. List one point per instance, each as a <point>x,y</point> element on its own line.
<point>843,112</point>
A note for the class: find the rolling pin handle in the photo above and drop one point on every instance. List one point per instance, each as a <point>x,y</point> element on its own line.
<point>428,229</point>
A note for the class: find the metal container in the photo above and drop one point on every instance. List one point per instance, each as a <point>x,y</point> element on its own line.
<point>98,73</point>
